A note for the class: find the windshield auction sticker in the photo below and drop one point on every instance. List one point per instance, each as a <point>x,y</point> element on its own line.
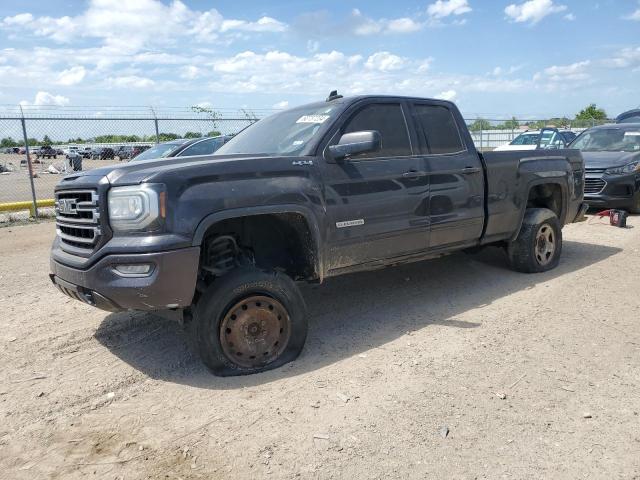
<point>312,119</point>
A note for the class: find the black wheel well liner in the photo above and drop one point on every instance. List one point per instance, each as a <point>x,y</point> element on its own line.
<point>282,239</point>
<point>545,193</point>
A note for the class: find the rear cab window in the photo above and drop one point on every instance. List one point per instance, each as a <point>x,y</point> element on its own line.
<point>437,130</point>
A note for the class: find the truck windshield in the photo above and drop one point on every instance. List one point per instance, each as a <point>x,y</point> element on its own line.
<point>287,133</point>
<point>609,140</point>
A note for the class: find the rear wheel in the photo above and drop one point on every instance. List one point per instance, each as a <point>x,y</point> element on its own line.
<point>249,321</point>
<point>539,244</point>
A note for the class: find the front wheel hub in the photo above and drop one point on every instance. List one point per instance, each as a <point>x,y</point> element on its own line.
<point>255,331</point>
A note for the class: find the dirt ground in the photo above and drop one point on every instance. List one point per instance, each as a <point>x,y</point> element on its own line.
<point>532,376</point>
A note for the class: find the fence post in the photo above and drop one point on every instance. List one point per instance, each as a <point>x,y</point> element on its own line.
<point>155,122</point>
<point>29,165</point>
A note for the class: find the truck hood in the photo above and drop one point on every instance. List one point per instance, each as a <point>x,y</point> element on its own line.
<point>609,159</point>
<point>137,172</point>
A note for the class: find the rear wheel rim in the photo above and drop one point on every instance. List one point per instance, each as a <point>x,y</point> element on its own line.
<point>545,246</point>
<point>255,331</point>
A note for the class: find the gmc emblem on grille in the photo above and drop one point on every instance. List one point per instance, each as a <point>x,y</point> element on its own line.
<point>67,206</point>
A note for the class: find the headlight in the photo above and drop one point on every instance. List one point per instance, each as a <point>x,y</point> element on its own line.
<point>629,168</point>
<point>136,208</point>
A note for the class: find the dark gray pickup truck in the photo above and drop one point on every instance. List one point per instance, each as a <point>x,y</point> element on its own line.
<point>348,184</point>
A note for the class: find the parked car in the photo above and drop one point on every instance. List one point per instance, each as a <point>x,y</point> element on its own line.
<point>612,164</point>
<point>127,152</point>
<point>102,153</point>
<point>533,140</point>
<point>632,116</point>
<point>46,151</point>
<point>85,152</point>
<point>333,187</point>
<point>184,147</point>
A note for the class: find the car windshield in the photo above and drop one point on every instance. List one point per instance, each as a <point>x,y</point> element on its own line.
<point>609,140</point>
<point>526,139</point>
<point>286,133</point>
<point>161,150</point>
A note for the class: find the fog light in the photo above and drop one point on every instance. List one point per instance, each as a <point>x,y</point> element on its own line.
<point>137,270</point>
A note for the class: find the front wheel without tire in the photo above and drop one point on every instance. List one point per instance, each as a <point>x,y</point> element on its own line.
<point>249,321</point>
<point>539,243</point>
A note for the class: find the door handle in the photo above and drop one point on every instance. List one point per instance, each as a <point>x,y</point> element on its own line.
<point>470,170</point>
<point>411,174</point>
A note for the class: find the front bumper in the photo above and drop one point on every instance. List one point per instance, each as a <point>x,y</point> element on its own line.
<point>618,191</point>
<point>170,285</point>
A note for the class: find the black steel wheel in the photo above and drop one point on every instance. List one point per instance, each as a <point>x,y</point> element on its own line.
<point>249,321</point>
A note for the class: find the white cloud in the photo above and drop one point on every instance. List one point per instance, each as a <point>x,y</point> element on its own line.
<point>444,8</point>
<point>634,16</point>
<point>190,72</point>
<point>575,72</point>
<point>130,81</point>
<point>130,26</point>
<point>71,76</point>
<point>570,16</point>
<point>264,24</point>
<point>281,105</point>
<point>362,25</point>
<point>403,25</point>
<point>532,11</point>
<point>384,62</point>
<point>20,19</point>
<point>626,58</point>
<point>448,95</point>
<point>46,98</point>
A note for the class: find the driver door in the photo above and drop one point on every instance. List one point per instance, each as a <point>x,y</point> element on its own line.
<point>376,201</point>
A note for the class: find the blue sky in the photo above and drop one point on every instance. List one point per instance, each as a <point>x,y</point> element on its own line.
<point>497,58</point>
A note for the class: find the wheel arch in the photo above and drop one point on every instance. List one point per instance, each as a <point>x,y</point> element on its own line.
<point>313,252</point>
<point>544,193</point>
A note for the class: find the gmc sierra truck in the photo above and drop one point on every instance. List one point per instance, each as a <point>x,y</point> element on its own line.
<point>348,184</point>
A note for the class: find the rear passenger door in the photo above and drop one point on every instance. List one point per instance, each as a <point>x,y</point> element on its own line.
<point>456,202</point>
<point>376,201</point>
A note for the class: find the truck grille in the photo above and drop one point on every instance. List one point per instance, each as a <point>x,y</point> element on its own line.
<point>78,218</point>
<point>595,170</point>
<point>593,185</point>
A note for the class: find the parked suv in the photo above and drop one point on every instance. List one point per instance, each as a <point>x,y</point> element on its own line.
<point>612,162</point>
<point>46,151</point>
<point>349,184</point>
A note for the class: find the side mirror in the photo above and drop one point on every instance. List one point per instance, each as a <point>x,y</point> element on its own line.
<point>355,143</point>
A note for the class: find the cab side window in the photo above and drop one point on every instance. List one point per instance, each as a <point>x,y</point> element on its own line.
<point>438,129</point>
<point>389,121</point>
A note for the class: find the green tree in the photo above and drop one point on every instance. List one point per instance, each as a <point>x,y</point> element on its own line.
<point>46,141</point>
<point>165,137</point>
<point>512,124</point>
<point>192,135</point>
<point>214,133</point>
<point>8,142</point>
<point>592,112</point>
<point>480,124</point>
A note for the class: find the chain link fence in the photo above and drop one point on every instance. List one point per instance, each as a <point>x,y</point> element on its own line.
<point>35,141</point>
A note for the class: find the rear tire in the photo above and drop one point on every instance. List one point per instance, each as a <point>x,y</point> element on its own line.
<point>539,244</point>
<point>249,321</point>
